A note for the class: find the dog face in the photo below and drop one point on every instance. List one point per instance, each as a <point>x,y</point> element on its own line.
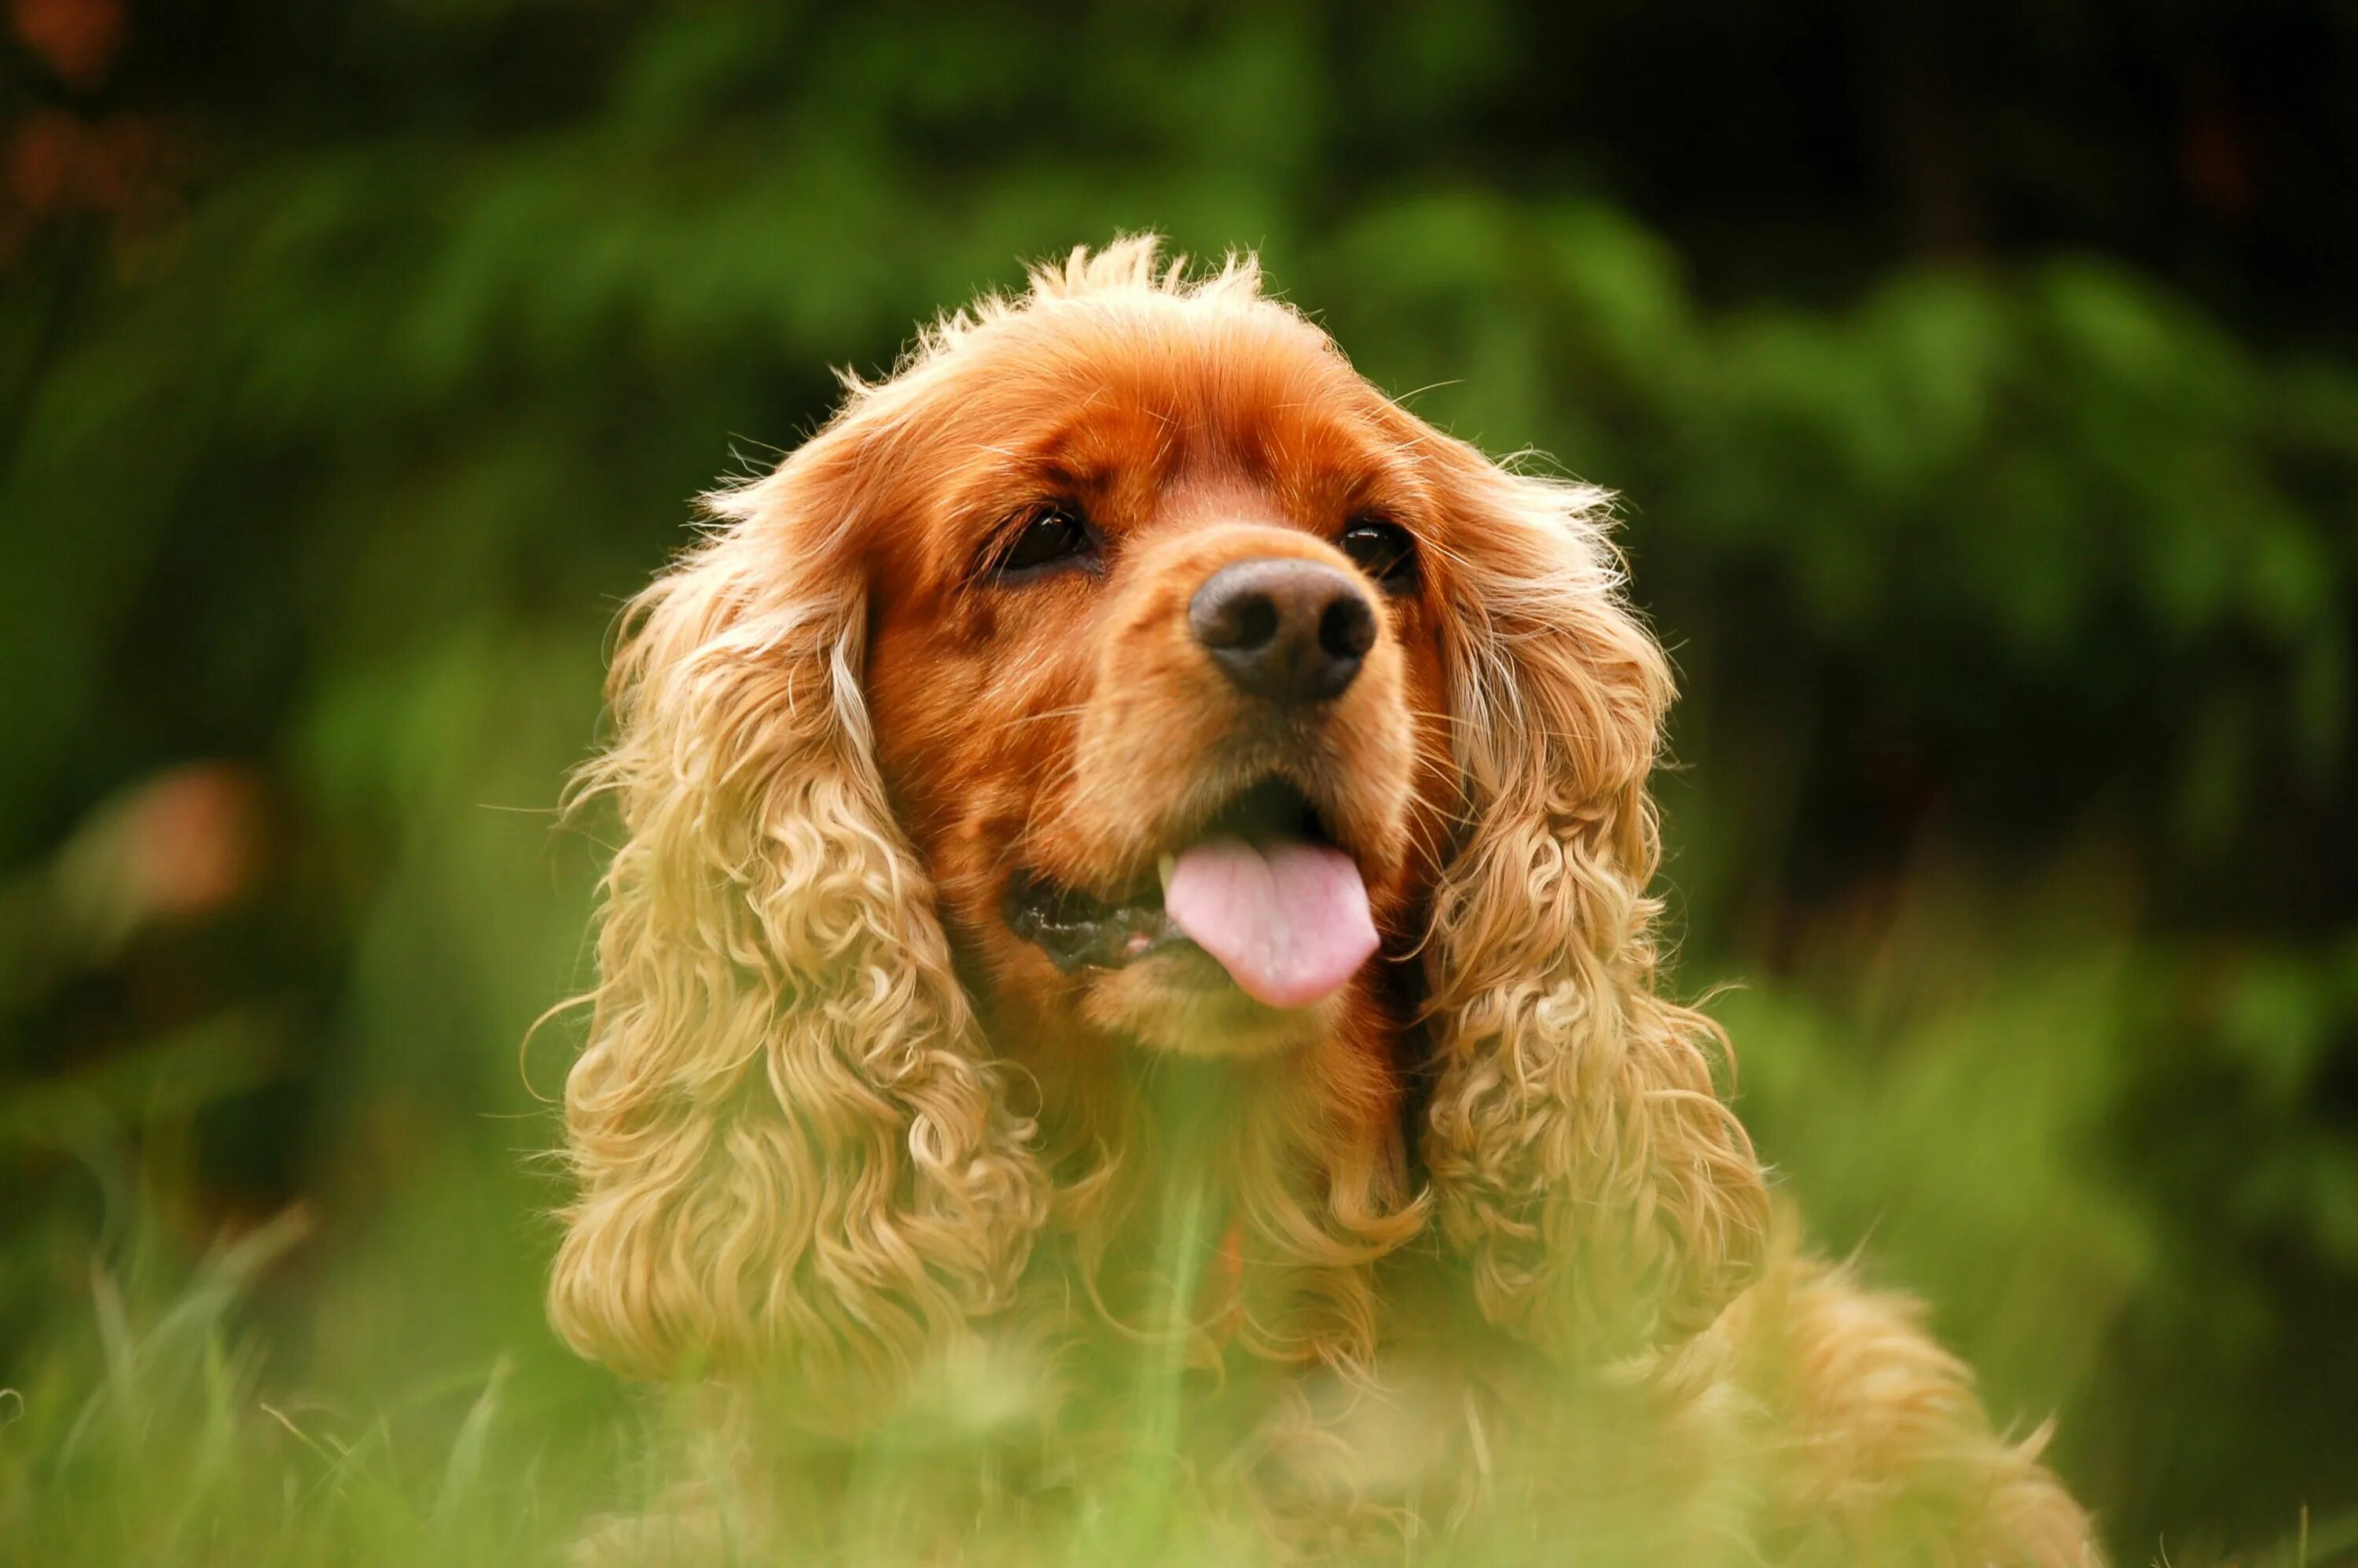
<point>1153,611</point>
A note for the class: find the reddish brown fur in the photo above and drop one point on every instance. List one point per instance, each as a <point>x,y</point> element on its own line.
<point>1074,726</point>
<point>838,1128</point>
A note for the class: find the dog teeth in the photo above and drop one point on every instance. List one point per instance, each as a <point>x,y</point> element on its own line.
<point>1164,868</point>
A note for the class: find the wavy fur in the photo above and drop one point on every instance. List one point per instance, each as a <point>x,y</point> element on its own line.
<point>837,1130</point>
<point>794,1152</point>
<point>1607,1197</point>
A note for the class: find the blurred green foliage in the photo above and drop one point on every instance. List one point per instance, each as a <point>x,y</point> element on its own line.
<point>2006,535</point>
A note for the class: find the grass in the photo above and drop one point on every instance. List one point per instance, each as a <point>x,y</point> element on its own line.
<point>365,1384</point>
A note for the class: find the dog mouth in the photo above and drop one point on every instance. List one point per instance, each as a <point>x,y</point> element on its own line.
<point>1261,887</point>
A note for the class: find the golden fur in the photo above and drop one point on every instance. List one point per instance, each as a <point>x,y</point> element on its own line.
<point>838,1133</point>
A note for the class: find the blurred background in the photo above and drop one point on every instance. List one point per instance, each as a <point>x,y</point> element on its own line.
<point>1982,380</point>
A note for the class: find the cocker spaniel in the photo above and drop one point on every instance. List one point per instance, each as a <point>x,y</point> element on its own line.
<point>1135,845</point>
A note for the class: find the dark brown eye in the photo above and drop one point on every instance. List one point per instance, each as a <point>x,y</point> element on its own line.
<point>1056,535</point>
<point>1384,550</point>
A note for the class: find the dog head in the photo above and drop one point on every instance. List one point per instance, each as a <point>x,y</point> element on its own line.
<point>1127,673</point>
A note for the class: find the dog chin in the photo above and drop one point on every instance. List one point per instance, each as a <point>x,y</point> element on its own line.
<point>1181,1003</point>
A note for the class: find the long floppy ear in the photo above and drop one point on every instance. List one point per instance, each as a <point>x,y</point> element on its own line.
<point>793,1156</point>
<point>1605,1196</point>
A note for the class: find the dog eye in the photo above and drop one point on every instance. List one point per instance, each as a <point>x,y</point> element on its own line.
<point>1054,534</point>
<point>1384,551</point>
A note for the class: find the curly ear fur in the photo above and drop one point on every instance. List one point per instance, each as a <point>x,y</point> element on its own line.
<point>1607,1198</point>
<point>793,1157</point>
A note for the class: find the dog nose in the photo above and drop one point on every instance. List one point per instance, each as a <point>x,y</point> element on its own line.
<point>1290,630</point>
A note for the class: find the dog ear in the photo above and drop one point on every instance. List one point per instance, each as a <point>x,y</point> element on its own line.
<point>793,1153</point>
<point>1605,1198</point>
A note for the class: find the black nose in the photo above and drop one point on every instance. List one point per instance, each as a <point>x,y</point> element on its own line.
<point>1287,630</point>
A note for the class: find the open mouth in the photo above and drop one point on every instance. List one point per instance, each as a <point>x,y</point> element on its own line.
<point>1261,888</point>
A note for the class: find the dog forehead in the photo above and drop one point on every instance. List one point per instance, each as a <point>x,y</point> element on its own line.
<point>1094,388</point>
<point>1147,412</point>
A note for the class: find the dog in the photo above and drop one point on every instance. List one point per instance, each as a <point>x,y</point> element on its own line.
<point>1132,839</point>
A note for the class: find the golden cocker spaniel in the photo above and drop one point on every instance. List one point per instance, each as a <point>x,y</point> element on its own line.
<point>1135,844</point>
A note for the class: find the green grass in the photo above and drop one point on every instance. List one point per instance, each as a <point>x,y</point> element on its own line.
<point>368,1380</point>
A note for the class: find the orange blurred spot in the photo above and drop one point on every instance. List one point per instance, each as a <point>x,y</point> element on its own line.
<point>77,38</point>
<point>57,163</point>
<point>194,840</point>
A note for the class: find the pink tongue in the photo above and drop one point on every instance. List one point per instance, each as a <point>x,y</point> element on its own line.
<point>1289,921</point>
